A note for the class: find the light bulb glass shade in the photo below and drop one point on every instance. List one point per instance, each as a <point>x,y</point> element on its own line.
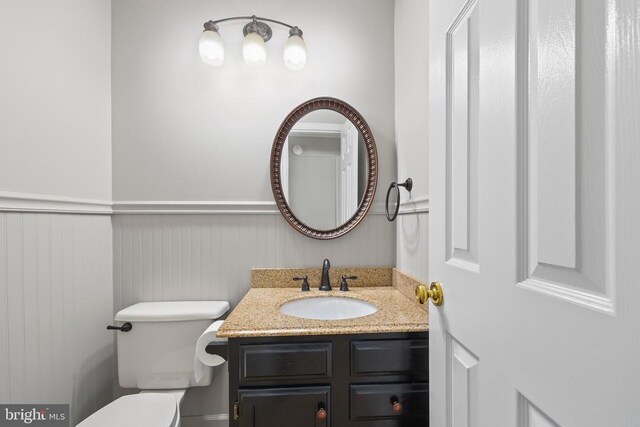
<point>211,48</point>
<point>254,50</point>
<point>295,53</point>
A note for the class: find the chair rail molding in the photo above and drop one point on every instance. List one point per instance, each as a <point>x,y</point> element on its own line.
<point>207,207</point>
<point>414,205</point>
<point>167,207</point>
<point>23,202</point>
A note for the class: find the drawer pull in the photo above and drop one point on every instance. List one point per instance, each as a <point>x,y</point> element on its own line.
<point>396,405</point>
<point>322,414</point>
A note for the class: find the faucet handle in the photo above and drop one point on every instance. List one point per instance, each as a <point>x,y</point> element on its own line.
<point>305,283</point>
<point>344,287</point>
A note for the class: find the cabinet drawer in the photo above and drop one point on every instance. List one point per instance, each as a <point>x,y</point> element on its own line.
<point>390,357</point>
<point>277,407</point>
<point>375,401</point>
<point>285,361</point>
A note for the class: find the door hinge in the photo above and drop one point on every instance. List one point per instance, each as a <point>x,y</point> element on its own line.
<point>236,410</point>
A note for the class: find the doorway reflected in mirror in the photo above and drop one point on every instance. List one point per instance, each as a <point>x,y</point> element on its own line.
<point>324,169</point>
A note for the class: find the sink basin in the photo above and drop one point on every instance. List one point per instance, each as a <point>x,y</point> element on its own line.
<point>328,308</point>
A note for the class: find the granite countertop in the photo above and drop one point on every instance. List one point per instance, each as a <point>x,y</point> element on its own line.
<point>258,314</point>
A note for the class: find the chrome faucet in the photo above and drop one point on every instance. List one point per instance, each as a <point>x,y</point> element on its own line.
<point>324,283</point>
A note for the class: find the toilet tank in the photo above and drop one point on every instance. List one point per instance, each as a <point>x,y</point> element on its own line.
<point>159,351</point>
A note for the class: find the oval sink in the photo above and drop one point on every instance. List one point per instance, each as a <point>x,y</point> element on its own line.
<point>328,308</point>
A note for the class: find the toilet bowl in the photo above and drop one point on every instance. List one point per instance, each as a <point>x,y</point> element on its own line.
<point>157,355</point>
<point>145,409</point>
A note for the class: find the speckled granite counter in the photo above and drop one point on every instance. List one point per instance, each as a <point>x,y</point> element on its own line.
<point>258,314</point>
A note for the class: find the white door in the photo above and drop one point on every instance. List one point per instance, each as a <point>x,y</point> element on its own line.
<point>348,171</point>
<point>535,212</point>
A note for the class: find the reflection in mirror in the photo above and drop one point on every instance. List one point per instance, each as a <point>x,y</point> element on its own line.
<point>324,169</point>
<point>392,200</point>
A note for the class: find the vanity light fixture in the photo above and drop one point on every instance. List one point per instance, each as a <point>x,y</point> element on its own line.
<point>254,51</point>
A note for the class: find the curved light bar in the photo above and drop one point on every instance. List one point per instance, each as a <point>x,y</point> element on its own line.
<point>254,51</point>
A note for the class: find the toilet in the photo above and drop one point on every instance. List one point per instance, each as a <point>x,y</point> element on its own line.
<point>157,356</point>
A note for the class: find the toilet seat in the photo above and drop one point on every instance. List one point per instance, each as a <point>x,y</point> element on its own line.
<point>137,410</point>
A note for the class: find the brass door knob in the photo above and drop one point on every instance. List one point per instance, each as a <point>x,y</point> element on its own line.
<point>397,407</point>
<point>434,293</point>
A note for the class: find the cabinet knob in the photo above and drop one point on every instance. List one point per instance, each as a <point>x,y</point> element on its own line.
<point>395,404</point>
<point>322,414</point>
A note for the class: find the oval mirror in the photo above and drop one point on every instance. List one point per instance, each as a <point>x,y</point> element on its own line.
<point>324,168</point>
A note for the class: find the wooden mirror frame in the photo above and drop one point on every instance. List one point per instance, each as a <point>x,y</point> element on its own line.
<point>324,103</point>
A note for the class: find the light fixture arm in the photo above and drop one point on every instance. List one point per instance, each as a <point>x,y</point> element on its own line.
<point>251,18</point>
<point>257,25</point>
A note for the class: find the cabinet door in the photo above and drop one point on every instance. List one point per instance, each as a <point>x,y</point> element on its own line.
<point>279,407</point>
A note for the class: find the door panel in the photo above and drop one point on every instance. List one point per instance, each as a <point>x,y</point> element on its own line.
<point>552,118</point>
<point>462,139</point>
<point>462,385</point>
<point>534,212</point>
<point>530,416</point>
<point>565,152</point>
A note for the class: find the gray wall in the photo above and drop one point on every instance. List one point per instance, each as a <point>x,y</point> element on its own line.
<point>182,130</point>
<point>411,106</point>
<point>55,86</point>
<point>55,140</point>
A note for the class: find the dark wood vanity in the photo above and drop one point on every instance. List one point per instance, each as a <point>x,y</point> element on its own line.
<point>372,380</point>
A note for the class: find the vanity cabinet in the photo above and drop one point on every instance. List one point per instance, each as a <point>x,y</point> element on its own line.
<point>368,380</point>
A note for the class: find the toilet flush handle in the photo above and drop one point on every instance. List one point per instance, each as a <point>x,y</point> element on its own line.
<point>126,327</point>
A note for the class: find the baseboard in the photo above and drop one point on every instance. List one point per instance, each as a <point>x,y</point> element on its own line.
<point>215,420</point>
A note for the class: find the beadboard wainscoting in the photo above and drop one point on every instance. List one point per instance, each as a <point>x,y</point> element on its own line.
<point>160,257</point>
<point>182,257</point>
<point>55,300</point>
<point>412,242</point>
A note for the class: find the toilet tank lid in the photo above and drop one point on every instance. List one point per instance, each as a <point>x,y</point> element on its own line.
<point>172,311</point>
